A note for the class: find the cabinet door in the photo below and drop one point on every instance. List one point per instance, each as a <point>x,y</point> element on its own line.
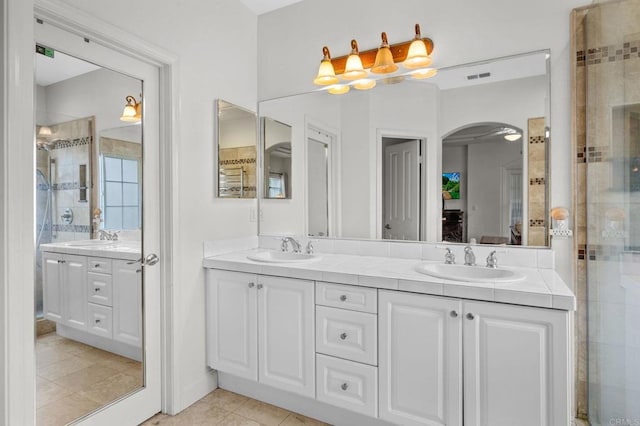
<point>74,303</point>
<point>515,365</point>
<point>52,286</point>
<point>232,326</point>
<point>420,363</point>
<point>286,334</point>
<point>127,302</point>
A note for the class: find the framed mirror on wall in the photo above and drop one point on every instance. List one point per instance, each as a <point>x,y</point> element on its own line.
<point>483,125</point>
<point>235,148</point>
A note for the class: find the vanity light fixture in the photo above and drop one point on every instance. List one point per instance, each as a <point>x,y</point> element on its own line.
<point>384,63</point>
<point>326,73</point>
<point>44,132</point>
<point>132,112</point>
<point>353,68</point>
<point>418,56</point>
<point>512,137</point>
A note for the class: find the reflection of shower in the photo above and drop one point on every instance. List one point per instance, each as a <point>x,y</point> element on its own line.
<point>43,230</point>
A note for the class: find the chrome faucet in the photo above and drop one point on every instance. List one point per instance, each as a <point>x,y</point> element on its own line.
<point>492,260</point>
<point>297,248</point>
<point>310,247</point>
<point>469,257</point>
<point>106,235</point>
<point>449,257</point>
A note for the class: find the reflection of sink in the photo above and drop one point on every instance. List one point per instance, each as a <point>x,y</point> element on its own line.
<point>90,243</point>
<point>469,273</point>
<point>282,257</point>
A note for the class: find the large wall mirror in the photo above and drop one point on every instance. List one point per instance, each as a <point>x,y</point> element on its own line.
<point>460,157</point>
<point>235,140</point>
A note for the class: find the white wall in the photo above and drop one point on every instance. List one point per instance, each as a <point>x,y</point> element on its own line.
<point>238,133</point>
<point>290,48</point>
<point>215,43</point>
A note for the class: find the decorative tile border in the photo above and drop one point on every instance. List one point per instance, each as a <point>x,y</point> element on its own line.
<point>604,252</point>
<point>592,154</point>
<point>237,161</point>
<point>536,222</point>
<point>70,143</point>
<point>537,181</point>
<point>234,189</point>
<point>71,228</point>
<point>65,186</point>
<point>606,54</point>
<point>536,139</point>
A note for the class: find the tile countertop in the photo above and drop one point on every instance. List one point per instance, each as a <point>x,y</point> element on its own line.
<point>125,250</point>
<point>540,288</point>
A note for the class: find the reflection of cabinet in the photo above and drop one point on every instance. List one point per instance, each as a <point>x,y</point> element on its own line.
<point>261,328</point>
<point>515,362</point>
<point>65,290</point>
<point>99,298</point>
<point>452,226</point>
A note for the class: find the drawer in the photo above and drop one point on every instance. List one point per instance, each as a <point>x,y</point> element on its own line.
<point>347,334</point>
<point>347,384</point>
<point>356,298</point>
<point>100,320</point>
<point>99,290</point>
<point>99,264</point>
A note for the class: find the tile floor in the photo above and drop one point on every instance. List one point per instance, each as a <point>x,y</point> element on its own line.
<point>74,379</point>
<point>224,408</point>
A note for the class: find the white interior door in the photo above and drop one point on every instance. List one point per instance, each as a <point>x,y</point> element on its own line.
<point>401,209</point>
<point>146,401</point>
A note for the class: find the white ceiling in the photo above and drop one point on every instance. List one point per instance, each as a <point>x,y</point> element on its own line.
<point>59,68</point>
<point>264,6</point>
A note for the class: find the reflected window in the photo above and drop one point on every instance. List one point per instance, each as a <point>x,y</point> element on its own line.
<point>121,193</point>
<point>277,188</point>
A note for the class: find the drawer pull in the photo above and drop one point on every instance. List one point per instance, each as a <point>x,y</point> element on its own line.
<point>344,387</point>
<point>343,336</point>
<point>97,289</point>
<point>97,265</point>
<point>251,285</point>
<point>454,314</point>
<point>97,321</point>
<point>62,261</point>
<point>343,298</point>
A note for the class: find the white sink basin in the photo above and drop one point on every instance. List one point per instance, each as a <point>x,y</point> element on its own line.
<point>90,243</point>
<point>282,257</point>
<point>469,273</point>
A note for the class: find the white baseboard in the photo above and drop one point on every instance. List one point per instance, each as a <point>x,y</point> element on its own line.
<point>109,345</point>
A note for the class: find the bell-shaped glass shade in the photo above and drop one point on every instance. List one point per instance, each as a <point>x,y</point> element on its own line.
<point>354,69</point>
<point>129,114</point>
<point>384,63</point>
<point>364,84</point>
<point>417,56</point>
<point>44,131</point>
<point>424,73</point>
<point>339,89</point>
<point>512,137</point>
<point>326,74</point>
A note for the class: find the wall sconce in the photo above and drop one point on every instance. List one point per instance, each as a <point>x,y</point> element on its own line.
<point>132,112</point>
<point>560,223</point>
<point>413,54</point>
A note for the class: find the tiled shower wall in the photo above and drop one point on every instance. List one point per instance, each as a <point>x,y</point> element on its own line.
<point>606,142</point>
<point>71,150</point>
<point>232,159</point>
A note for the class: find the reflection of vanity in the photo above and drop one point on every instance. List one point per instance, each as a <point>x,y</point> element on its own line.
<point>93,292</point>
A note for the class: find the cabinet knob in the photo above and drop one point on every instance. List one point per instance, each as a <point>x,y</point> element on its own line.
<point>259,286</point>
<point>138,271</point>
<point>61,261</point>
<point>97,321</point>
<point>344,386</point>
<point>251,285</point>
<point>343,298</point>
<point>343,336</point>
<point>454,314</point>
<point>97,265</point>
<point>97,289</point>
<point>470,316</point>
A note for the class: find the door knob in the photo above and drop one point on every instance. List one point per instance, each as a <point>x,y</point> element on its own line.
<point>150,260</point>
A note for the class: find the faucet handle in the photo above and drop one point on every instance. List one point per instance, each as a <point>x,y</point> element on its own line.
<point>449,257</point>
<point>283,244</point>
<point>310,248</point>
<point>492,260</point>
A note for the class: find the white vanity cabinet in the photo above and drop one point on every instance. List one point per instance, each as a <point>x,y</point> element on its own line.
<point>515,362</point>
<point>127,302</point>
<point>65,290</point>
<point>261,328</point>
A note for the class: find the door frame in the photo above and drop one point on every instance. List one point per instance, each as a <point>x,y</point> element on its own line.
<point>17,252</point>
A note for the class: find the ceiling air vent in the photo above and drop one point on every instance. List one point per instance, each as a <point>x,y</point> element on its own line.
<point>477,76</point>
